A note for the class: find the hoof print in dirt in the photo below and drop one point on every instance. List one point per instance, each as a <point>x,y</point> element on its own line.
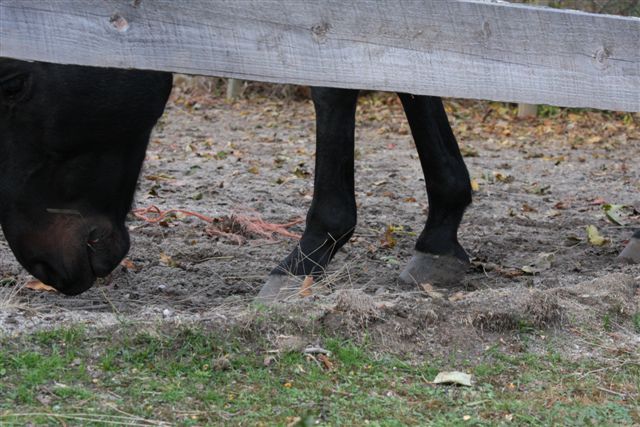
<point>438,270</point>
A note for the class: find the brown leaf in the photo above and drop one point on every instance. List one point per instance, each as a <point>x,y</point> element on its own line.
<point>326,362</point>
<point>128,264</point>
<point>37,285</point>
<point>388,240</point>
<point>305,289</point>
<point>561,205</point>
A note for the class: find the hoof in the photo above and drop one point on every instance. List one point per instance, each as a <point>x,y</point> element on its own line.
<point>277,288</point>
<point>439,270</point>
<point>631,253</point>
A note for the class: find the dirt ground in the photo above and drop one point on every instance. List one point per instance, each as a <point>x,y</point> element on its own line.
<point>540,183</point>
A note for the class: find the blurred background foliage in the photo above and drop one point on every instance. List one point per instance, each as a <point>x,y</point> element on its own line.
<point>613,7</point>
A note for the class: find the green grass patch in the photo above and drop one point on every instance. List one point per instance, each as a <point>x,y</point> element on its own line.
<point>193,376</point>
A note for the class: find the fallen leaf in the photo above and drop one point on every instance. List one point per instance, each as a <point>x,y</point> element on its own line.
<point>502,177</point>
<point>37,285</point>
<point>388,241</point>
<point>474,185</point>
<point>594,139</point>
<point>538,189</point>
<point>612,212</point>
<point>594,236</point>
<point>305,289</point>
<point>167,260</point>
<point>468,151</point>
<point>542,262</point>
<point>326,362</point>
<point>128,264</point>
<point>453,377</point>
<point>429,290</point>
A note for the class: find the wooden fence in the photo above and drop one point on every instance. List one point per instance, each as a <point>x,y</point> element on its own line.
<point>460,48</point>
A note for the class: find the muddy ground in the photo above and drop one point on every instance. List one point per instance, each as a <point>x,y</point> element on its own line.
<point>540,183</point>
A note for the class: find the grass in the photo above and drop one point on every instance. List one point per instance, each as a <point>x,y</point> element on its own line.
<point>193,376</point>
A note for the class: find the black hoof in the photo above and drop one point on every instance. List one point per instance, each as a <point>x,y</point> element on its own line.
<point>438,270</point>
<point>279,288</point>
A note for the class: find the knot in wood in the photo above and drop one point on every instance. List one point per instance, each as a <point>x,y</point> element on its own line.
<point>319,32</point>
<point>602,55</point>
<point>119,22</point>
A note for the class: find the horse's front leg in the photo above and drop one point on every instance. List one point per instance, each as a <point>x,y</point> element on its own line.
<point>332,217</point>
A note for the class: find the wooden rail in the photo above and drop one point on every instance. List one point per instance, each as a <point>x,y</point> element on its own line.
<point>459,48</point>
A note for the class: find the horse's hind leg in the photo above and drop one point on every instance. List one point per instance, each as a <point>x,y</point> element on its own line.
<point>439,259</point>
<point>631,253</point>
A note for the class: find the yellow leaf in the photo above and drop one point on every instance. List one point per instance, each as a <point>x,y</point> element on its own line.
<point>594,236</point>
<point>474,185</point>
<point>167,260</point>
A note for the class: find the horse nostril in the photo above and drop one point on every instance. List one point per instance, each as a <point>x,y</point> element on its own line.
<point>94,238</point>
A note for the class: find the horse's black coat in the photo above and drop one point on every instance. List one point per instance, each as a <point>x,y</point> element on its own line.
<point>72,142</point>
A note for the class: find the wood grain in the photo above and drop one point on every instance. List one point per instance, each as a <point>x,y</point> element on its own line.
<point>458,48</point>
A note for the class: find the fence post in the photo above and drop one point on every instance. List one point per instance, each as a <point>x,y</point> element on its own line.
<point>530,110</point>
<point>527,110</point>
<point>233,88</point>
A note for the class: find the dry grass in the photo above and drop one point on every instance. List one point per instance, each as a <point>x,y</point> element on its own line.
<point>9,295</point>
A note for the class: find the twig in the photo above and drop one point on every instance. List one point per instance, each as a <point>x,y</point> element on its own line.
<point>143,214</point>
<point>246,224</point>
<point>617,393</point>
<point>316,350</point>
<point>606,368</point>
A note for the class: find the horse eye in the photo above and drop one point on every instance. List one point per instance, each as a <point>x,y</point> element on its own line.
<point>13,87</point>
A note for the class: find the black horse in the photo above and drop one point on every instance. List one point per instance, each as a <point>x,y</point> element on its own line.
<point>72,143</point>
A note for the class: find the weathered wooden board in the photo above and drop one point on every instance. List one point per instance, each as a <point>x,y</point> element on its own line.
<point>458,48</point>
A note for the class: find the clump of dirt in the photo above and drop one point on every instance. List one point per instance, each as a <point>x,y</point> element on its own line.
<point>510,310</point>
<point>461,325</point>
<point>353,310</point>
<point>615,293</point>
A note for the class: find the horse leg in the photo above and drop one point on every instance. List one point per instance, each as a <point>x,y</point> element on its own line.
<point>439,259</point>
<point>332,217</point>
